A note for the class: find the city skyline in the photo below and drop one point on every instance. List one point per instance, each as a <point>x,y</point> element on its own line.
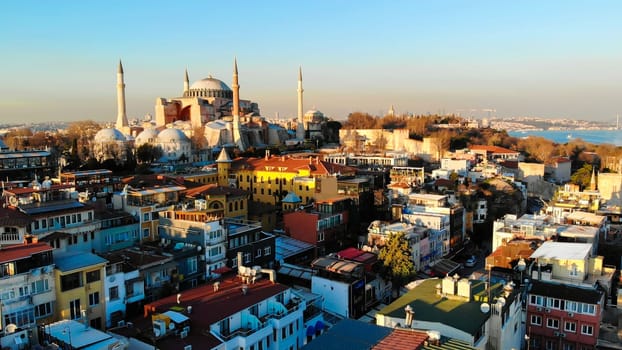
<point>554,59</point>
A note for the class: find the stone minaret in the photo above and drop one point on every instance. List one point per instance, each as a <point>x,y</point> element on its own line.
<point>237,135</point>
<point>300,128</point>
<point>122,123</point>
<point>186,83</point>
<point>593,183</point>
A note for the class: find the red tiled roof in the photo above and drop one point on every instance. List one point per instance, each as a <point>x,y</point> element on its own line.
<point>492,149</point>
<point>22,251</point>
<point>209,307</point>
<point>443,183</point>
<point>25,190</point>
<point>291,165</point>
<point>560,160</point>
<point>215,190</point>
<point>10,216</point>
<point>402,339</point>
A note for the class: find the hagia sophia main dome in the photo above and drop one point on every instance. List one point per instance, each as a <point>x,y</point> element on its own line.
<point>209,87</point>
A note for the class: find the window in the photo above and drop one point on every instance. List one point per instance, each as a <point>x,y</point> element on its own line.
<point>85,237</point>
<point>113,293</point>
<point>146,217</point>
<point>191,265</point>
<point>39,286</point>
<point>146,232</point>
<point>92,276</point>
<point>587,329</point>
<point>552,323</point>
<point>43,310</point>
<point>258,254</point>
<point>74,309</point>
<point>254,310</point>
<point>94,299</point>
<point>536,320</point>
<point>571,306</point>
<point>553,303</point>
<point>247,257</point>
<point>535,300</point>
<point>71,281</point>
<point>283,332</point>
<point>234,262</point>
<point>570,327</point>
<point>589,309</point>
<point>320,236</point>
<point>23,291</point>
<point>267,251</point>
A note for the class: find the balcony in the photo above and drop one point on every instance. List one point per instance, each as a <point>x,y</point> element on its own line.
<point>252,325</point>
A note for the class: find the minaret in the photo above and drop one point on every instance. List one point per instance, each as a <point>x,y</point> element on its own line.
<point>300,127</point>
<point>237,135</point>
<point>186,83</point>
<point>236,90</point>
<point>122,123</point>
<point>593,179</point>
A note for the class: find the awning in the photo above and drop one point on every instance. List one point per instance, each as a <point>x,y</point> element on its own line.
<point>176,316</point>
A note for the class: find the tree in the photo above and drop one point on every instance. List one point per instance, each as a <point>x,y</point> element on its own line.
<point>396,260</point>
<point>538,148</point>
<point>147,153</point>
<point>582,176</point>
<point>358,120</point>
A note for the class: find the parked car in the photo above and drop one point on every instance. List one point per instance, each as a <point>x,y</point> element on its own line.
<point>470,262</point>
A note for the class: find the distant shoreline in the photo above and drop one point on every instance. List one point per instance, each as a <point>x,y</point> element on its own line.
<point>594,136</point>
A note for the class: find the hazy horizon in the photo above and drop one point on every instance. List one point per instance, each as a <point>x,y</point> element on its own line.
<point>557,59</point>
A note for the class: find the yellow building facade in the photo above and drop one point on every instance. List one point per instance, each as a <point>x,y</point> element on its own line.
<point>270,179</point>
<point>80,291</point>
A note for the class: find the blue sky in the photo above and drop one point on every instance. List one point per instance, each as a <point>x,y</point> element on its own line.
<point>552,59</point>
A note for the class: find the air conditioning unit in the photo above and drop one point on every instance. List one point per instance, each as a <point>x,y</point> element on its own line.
<point>188,347</point>
<point>121,323</point>
<point>571,314</point>
<point>556,334</point>
<point>88,286</point>
<point>183,334</point>
<point>563,335</point>
<point>548,311</point>
<point>539,309</point>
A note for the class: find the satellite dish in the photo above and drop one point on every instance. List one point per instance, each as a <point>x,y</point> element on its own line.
<point>501,301</point>
<point>10,328</point>
<point>156,332</point>
<point>484,308</point>
<point>13,201</point>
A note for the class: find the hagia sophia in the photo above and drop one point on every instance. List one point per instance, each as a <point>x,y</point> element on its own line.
<point>208,111</point>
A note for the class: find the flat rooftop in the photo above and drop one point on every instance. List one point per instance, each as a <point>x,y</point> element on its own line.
<point>562,251</point>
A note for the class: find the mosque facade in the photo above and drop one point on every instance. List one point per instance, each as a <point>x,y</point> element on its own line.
<point>211,108</point>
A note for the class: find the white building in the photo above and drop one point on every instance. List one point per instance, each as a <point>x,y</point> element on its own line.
<point>460,309</point>
<point>27,291</point>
